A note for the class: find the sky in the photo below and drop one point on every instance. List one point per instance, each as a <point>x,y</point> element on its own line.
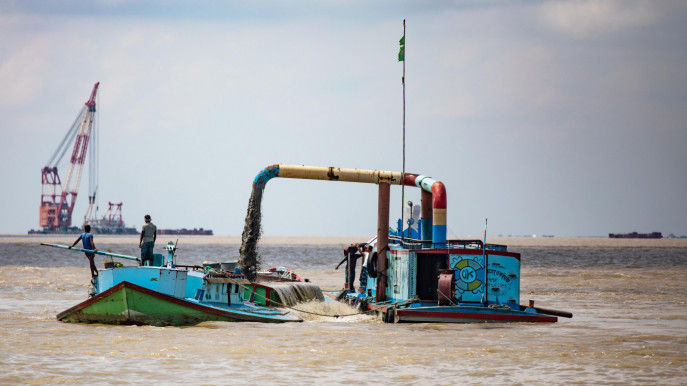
<point>564,118</point>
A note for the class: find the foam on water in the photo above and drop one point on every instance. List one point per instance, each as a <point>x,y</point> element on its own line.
<point>332,312</point>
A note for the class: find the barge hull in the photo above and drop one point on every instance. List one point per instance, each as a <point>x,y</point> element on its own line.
<point>127,303</point>
<point>456,315</point>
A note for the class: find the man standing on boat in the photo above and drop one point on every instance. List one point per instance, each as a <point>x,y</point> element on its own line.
<point>351,255</point>
<point>147,241</point>
<point>86,239</point>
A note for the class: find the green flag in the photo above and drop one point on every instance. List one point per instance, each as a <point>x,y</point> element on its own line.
<point>402,52</point>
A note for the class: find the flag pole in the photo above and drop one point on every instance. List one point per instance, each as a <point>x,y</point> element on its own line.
<point>402,57</point>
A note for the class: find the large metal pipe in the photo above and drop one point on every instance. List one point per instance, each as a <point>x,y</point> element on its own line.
<point>425,183</point>
<point>426,215</point>
<point>327,174</point>
<point>438,218</point>
<point>383,203</point>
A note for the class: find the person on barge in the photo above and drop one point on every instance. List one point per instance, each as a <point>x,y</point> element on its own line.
<point>351,255</point>
<point>86,239</point>
<point>147,241</point>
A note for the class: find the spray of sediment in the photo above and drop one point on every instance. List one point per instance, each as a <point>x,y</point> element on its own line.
<point>292,293</point>
<point>249,259</point>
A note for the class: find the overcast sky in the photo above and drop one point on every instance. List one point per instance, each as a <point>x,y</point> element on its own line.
<point>563,118</point>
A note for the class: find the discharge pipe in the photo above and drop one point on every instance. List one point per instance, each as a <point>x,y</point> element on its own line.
<point>382,178</point>
<point>427,184</point>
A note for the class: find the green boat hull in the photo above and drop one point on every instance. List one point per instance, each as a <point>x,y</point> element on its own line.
<point>127,303</point>
<point>262,295</point>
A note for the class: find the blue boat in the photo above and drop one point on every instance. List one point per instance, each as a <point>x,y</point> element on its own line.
<point>426,279</point>
<point>462,281</point>
<point>165,294</point>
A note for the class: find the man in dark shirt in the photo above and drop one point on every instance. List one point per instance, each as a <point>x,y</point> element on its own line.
<point>351,254</point>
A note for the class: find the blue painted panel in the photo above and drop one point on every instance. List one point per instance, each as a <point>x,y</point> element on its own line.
<point>372,286</point>
<point>391,276</point>
<point>504,280</point>
<point>402,281</point>
<point>172,282</point>
<point>168,281</point>
<point>470,277</point>
<point>105,280</point>
<point>148,277</point>
<point>194,281</point>
<point>412,274</point>
<point>425,229</point>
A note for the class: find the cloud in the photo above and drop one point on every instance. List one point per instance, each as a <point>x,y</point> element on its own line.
<point>23,74</point>
<point>589,18</point>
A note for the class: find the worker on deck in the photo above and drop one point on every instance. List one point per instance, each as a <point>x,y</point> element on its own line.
<point>86,239</point>
<point>147,241</point>
<point>351,254</point>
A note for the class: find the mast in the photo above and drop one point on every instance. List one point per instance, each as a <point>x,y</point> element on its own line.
<point>402,58</point>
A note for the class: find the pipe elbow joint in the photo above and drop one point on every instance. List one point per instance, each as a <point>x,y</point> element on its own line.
<point>265,175</point>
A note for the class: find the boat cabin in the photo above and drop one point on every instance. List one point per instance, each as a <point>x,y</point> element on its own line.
<point>459,272</point>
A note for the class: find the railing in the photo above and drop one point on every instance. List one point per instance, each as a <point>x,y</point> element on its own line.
<point>464,244</point>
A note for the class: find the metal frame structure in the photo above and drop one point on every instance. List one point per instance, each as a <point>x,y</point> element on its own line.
<point>57,198</point>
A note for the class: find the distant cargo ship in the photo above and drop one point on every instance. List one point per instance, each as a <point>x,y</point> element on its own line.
<point>184,231</point>
<point>95,229</point>
<point>635,235</point>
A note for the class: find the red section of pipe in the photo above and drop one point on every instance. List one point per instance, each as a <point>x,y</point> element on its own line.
<point>438,195</point>
<point>409,179</point>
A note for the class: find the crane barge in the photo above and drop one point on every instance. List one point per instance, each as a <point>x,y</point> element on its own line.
<point>58,197</point>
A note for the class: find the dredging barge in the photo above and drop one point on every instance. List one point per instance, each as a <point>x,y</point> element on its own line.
<point>431,279</point>
<point>167,294</point>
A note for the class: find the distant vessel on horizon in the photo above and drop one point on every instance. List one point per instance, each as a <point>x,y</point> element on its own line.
<point>635,235</point>
<point>184,231</point>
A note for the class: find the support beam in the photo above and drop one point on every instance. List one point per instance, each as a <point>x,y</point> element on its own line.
<point>382,238</point>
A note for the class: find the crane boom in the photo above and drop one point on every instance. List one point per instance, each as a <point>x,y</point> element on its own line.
<point>57,204</point>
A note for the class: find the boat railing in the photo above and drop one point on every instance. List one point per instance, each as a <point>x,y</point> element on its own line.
<point>455,243</point>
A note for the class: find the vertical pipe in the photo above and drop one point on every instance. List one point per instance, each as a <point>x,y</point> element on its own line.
<point>382,238</point>
<point>438,213</point>
<point>426,215</point>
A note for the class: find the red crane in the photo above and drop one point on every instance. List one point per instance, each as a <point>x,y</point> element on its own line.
<point>57,199</point>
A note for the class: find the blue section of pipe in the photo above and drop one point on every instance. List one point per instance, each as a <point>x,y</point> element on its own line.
<point>265,175</point>
<point>439,235</point>
<point>425,183</point>
<point>425,225</point>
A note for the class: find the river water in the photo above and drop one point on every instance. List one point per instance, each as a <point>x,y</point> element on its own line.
<point>628,298</point>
